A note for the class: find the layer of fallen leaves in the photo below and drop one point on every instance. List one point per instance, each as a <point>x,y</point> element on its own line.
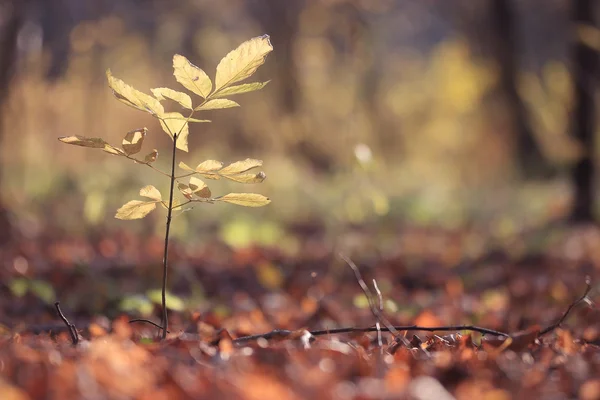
<point>427,277</point>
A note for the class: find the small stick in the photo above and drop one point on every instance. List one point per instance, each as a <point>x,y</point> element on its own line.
<point>555,325</point>
<point>380,298</point>
<point>380,318</point>
<point>395,329</point>
<point>147,321</point>
<point>70,326</point>
<point>282,333</point>
<point>401,328</point>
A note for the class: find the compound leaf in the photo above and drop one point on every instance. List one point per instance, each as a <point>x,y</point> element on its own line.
<point>239,89</point>
<point>96,143</point>
<point>151,192</point>
<point>247,178</point>
<point>242,62</point>
<point>132,143</point>
<point>135,209</point>
<point>241,166</point>
<point>191,77</point>
<point>217,104</point>
<point>165,93</point>
<point>175,123</point>
<point>133,97</point>
<point>245,199</point>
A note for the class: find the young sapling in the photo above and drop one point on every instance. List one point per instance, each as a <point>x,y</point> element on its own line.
<point>235,67</point>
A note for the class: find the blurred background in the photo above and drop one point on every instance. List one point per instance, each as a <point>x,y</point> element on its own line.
<point>380,113</point>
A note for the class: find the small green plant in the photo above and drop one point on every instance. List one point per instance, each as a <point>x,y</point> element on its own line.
<point>236,66</point>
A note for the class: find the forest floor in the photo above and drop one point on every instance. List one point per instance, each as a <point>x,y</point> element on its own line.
<point>259,323</point>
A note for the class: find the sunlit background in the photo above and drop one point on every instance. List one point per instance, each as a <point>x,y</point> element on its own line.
<point>378,112</point>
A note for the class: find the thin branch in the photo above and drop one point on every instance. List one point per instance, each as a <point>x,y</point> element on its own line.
<point>70,326</point>
<point>399,328</point>
<point>283,333</point>
<point>555,325</point>
<point>147,164</point>
<point>379,296</point>
<point>378,315</point>
<point>380,299</point>
<point>147,321</point>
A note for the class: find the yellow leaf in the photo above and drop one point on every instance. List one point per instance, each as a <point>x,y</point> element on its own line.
<point>133,97</point>
<point>206,168</point>
<point>132,143</point>
<point>186,167</point>
<point>135,209</point>
<point>96,143</point>
<point>209,166</point>
<point>150,192</point>
<point>150,158</point>
<point>245,199</point>
<point>183,99</point>
<point>210,175</point>
<point>185,190</point>
<point>191,77</point>
<point>239,89</point>
<point>199,188</point>
<point>247,178</point>
<point>176,205</point>
<point>113,150</point>
<point>217,104</point>
<point>196,184</point>
<point>242,62</point>
<point>241,166</point>
<point>175,123</point>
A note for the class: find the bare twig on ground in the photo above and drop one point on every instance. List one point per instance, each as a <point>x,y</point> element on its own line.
<point>555,325</point>
<point>377,313</point>
<point>380,299</point>
<point>147,321</point>
<point>70,326</point>
<point>282,334</point>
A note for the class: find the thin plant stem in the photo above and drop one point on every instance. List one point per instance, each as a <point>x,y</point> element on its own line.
<point>147,164</point>
<point>164,320</point>
<point>173,178</point>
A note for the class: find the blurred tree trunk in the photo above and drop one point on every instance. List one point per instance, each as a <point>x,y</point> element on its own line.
<point>12,12</point>
<point>281,19</point>
<point>585,74</point>
<point>503,40</point>
<point>491,29</point>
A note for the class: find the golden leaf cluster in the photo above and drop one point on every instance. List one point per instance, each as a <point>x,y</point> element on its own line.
<point>235,67</point>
